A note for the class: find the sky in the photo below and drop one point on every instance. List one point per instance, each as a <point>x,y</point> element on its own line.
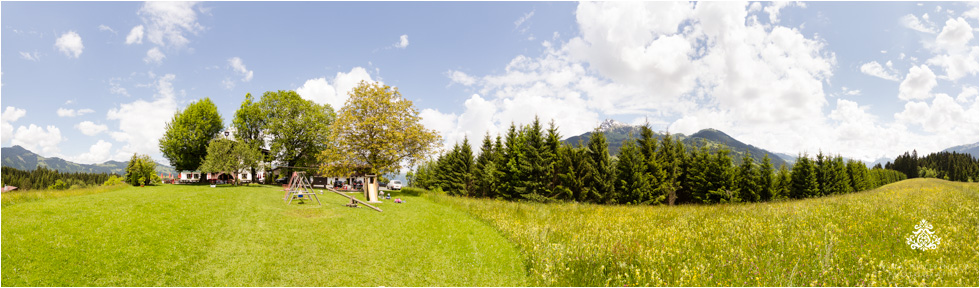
<point>96,81</point>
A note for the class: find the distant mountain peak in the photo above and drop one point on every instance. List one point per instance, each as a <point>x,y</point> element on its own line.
<point>20,158</point>
<point>610,124</point>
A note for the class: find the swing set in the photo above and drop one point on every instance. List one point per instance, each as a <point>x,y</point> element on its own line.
<point>299,188</point>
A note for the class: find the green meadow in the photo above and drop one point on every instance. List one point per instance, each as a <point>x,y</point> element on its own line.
<point>175,235</point>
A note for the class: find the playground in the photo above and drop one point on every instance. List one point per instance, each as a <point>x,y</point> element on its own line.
<point>195,235</point>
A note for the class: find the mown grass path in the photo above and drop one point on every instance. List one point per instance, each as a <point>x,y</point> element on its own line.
<point>855,239</point>
<point>176,235</point>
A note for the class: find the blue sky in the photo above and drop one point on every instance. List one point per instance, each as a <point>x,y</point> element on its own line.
<point>91,82</point>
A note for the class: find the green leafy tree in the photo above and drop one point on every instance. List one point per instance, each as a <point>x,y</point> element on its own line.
<point>231,157</point>
<point>299,129</point>
<point>141,170</point>
<point>249,122</point>
<point>185,141</point>
<point>379,129</point>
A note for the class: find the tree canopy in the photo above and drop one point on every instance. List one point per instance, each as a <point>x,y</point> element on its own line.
<point>185,141</point>
<point>379,129</point>
<point>230,157</point>
<point>298,128</point>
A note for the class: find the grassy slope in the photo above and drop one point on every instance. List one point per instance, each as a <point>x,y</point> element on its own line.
<point>846,240</point>
<point>246,236</point>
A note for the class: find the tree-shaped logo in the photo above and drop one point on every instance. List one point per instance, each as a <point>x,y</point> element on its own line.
<point>923,238</point>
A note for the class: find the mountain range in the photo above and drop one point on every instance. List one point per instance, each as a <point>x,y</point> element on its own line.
<point>972,149</point>
<point>616,132</point>
<point>23,159</point>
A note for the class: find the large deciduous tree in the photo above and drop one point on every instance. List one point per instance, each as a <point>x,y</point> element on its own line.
<point>230,157</point>
<point>185,142</point>
<point>249,123</point>
<point>299,129</point>
<point>379,129</point>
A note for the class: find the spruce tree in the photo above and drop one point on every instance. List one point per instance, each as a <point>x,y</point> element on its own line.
<point>552,143</point>
<point>804,183</point>
<point>696,182</point>
<point>670,157</point>
<point>485,168</point>
<point>515,164</point>
<point>633,182</point>
<point>602,179</point>
<point>721,178</point>
<point>767,181</point>
<point>784,184</point>
<point>748,179</point>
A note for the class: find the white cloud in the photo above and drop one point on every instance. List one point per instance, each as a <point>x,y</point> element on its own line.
<point>10,114</point>
<point>519,21</point>
<point>135,35</point>
<point>167,22</point>
<point>974,12</point>
<point>917,84</point>
<point>773,10</point>
<point>116,88</point>
<point>239,67</point>
<point>42,140</point>
<point>70,44</point>
<point>63,112</point>
<point>461,78</point>
<point>402,42</point>
<point>90,128</point>
<point>319,90</point>
<point>154,56</point>
<point>228,83</point>
<point>912,22</point>
<point>103,27</point>
<point>967,93</point>
<point>954,53</point>
<point>874,69</point>
<point>850,92</point>
<point>97,153</point>
<point>944,117</point>
<point>142,123</point>
<point>30,56</point>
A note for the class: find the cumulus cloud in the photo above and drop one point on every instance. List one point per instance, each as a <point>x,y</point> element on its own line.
<point>154,55</point>
<point>954,53</point>
<point>917,84</point>
<point>10,114</point>
<point>30,56</point>
<point>90,128</point>
<point>43,140</point>
<point>874,69</point>
<point>167,22</point>
<point>142,122</point>
<point>333,92</point>
<point>239,67</point>
<point>461,78</point>
<point>135,35</point>
<point>97,153</point>
<point>64,112</point>
<point>402,42</point>
<point>912,22</point>
<point>944,116</point>
<point>70,44</point>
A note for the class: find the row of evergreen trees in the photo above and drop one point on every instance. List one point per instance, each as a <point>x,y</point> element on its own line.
<point>44,178</point>
<point>532,164</point>
<point>944,165</point>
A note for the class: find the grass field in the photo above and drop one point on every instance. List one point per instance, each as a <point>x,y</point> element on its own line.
<point>848,240</point>
<point>176,235</point>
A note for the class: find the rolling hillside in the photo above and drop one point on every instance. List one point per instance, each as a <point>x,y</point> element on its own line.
<point>23,159</point>
<point>617,132</point>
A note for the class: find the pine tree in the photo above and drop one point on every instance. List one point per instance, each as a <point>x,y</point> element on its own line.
<point>823,173</point>
<point>859,175</point>
<point>537,164</point>
<point>655,172</point>
<point>671,159</point>
<point>784,184</point>
<point>602,179</point>
<point>721,178</point>
<point>804,175</point>
<point>552,143</point>
<point>748,179</point>
<point>485,168</point>
<point>767,181</point>
<point>696,182</point>
<point>633,182</point>
<point>514,165</point>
